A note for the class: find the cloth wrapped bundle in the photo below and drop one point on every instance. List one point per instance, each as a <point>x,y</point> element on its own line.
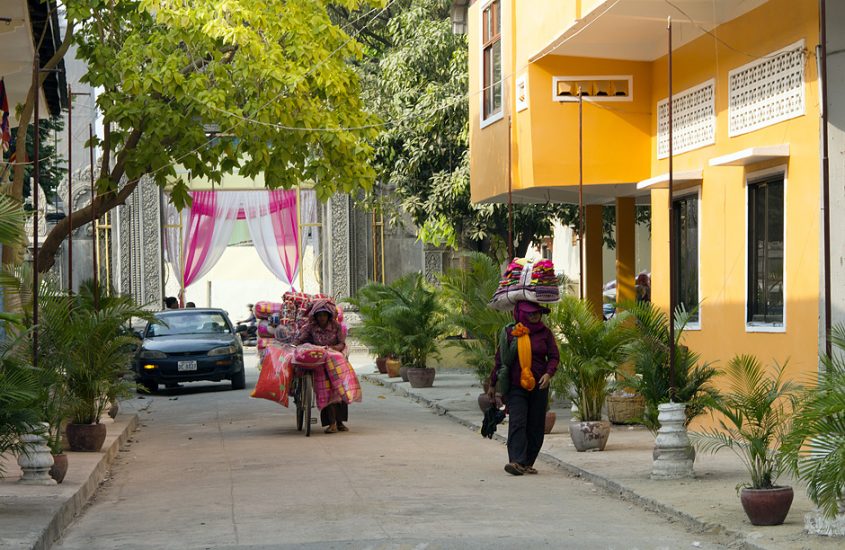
<point>337,382</point>
<point>264,310</point>
<point>309,356</point>
<point>275,376</point>
<point>526,281</point>
<point>265,329</point>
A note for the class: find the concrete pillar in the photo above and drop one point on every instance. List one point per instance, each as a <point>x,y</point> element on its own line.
<point>593,238</point>
<point>626,222</point>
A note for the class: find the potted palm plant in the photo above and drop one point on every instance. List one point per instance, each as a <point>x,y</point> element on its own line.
<point>415,314</point>
<point>380,336</point>
<point>815,447</point>
<point>466,294</point>
<point>754,417</point>
<point>98,348</point>
<point>591,350</point>
<point>649,352</point>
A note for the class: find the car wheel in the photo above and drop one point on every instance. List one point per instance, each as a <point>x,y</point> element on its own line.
<point>151,385</point>
<point>239,380</point>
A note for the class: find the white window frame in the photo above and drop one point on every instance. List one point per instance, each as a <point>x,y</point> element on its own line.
<point>751,178</point>
<point>495,117</point>
<point>694,190</point>
<point>596,98</point>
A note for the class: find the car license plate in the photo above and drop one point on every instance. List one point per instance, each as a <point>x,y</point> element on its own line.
<point>183,366</point>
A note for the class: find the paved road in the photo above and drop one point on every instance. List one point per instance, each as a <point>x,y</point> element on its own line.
<point>211,468</point>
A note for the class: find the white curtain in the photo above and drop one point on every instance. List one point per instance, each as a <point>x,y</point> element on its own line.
<point>271,219</point>
<point>173,237</point>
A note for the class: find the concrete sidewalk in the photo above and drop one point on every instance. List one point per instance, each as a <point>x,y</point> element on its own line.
<point>709,502</point>
<point>34,516</point>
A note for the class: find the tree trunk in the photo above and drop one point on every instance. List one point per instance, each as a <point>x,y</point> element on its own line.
<point>103,203</point>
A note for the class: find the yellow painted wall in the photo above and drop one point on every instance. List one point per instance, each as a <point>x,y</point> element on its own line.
<point>489,157</point>
<point>723,271</point>
<point>609,127</point>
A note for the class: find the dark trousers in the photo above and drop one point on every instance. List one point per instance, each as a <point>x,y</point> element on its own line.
<point>334,413</point>
<point>527,411</point>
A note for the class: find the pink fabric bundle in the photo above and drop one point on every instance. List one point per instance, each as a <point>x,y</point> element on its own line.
<point>264,329</point>
<point>264,309</point>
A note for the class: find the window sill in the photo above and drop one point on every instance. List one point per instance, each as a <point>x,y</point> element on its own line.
<point>694,327</point>
<point>765,328</point>
<point>485,122</point>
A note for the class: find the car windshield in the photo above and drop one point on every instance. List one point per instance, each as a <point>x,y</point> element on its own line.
<point>189,322</point>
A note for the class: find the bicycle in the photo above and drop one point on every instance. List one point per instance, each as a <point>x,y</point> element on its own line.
<point>303,396</point>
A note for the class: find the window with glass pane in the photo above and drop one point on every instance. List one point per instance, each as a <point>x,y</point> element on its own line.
<point>685,213</point>
<point>492,59</point>
<point>765,251</point>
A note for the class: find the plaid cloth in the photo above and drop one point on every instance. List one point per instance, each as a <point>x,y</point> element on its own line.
<point>337,382</point>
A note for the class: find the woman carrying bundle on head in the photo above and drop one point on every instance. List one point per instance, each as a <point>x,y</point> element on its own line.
<point>526,359</point>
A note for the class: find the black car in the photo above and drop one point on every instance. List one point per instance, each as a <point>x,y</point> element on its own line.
<point>187,345</point>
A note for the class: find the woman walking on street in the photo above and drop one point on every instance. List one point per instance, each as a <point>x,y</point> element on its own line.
<point>526,360</point>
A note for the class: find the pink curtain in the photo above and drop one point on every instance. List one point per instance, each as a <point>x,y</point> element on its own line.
<point>272,220</point>
<point>207,229</point>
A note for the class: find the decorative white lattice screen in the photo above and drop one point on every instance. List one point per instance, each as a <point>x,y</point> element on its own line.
<point>694,117</point>
<point>766,91</point>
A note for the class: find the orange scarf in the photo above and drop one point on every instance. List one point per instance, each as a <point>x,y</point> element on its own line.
<point>523,348</point>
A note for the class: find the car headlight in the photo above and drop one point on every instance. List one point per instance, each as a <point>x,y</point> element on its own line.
<point>150,354</point>
<point>224,350</point>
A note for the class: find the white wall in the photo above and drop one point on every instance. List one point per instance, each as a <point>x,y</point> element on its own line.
<point>237,279</point>
<point>565,253</point>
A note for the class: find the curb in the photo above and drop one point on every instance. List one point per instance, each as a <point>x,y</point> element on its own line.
<point>612,487</point>
<point>126,424</point>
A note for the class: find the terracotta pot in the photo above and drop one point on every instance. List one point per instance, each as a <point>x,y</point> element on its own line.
<point>393,366</point>
<point>59,468</point>
<point>381,364</point>
<point>766,506</point>
<point>87,438</point>
<point>589,436</point>
<point>551,416</point>
<point>421,377</point>
<point>403,372</point>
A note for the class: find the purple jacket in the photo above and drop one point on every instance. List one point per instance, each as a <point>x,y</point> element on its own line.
<point>544,357</point>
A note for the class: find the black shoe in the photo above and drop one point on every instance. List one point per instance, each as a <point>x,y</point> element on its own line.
<point>514,469</point>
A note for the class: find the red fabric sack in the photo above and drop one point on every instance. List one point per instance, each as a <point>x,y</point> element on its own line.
<point>275,376</point>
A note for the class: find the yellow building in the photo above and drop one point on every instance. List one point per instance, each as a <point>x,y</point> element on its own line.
<point>746,149</point>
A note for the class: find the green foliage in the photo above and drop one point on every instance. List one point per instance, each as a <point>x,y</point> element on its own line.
<point>18,394</point>
<point>170,72</point>
<point>381,339</point>
<point>649,351</point>
<point>99,347</point>
<point>416,76</point>
<point>590,353</point>
<point>415,315</point>
<point>465,294</point>
<point>755,417</point>
<point>18,380</point>
<point>52,169</point>
<point>815,447</point>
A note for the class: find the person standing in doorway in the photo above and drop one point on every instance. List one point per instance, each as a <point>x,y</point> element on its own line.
<point>526,360</point>
<point>171,303</point>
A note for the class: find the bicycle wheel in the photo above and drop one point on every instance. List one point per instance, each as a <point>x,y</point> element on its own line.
<point>308,397</point>
<point>300,411</point>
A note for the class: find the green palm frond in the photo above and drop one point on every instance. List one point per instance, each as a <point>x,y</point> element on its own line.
<point>590,353</point>
<point>815,448</point>
<point>465,293</point>
<point>12,218</point>
<point>649,352</point>
<point>755,417</point>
